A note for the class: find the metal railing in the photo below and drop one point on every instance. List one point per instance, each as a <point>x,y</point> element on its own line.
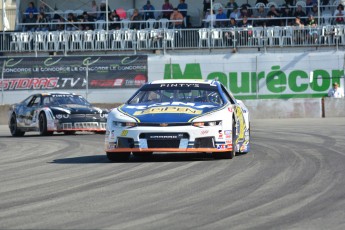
<point>172,39</point>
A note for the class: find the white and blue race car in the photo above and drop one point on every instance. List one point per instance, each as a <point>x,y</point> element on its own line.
<point>178,116</point>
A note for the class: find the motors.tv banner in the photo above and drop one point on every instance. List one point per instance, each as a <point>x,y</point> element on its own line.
<point>65,73</point>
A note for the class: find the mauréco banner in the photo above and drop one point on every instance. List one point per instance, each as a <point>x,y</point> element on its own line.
<point>74,72</point>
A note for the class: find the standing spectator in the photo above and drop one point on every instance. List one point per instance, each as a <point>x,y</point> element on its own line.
<point>260,14</point>
<point>220,18</point>
<point>286,13</point>
<point>135,17</point>
<point>273,13</point>
<point>167,9</point>
<point>230,5</point>
<point>336,91</point>
<point>207,5</point>
<point>235,13</point>
<point>41,21</point>
<point>300,13</point>
<point>31,9</point>
<point>148,11</point>
<point>182,8</point>
<point>94,9</point>
<point>339,14</point>
<point>176,15</point>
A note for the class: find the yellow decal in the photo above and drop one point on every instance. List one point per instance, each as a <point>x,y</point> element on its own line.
<point>168,109</point>
<point>239,115</point>
<point>124,133</point>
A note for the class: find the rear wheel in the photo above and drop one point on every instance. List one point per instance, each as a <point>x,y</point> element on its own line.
<point>115,157</point>
<point>43,126</point>
<point>15,132</point>
<point>230,154</point>
<point>142,154</point>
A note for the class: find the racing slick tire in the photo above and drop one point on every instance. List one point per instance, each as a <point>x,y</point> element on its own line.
<point>43,126</point>
<point>15,132</point>
<point>230,154</point>
<point>142,154</point>
<point>116,157</point>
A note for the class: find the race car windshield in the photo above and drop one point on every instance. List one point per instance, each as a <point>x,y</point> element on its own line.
<point>64,100</point>
<point>184,95</point>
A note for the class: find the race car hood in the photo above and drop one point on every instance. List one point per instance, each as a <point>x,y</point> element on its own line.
<point>75,109</point>
<point>167,112</point>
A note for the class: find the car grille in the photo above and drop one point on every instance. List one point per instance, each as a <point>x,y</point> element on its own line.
<point>163,144</point>
<point>204,142</point>
<point>163,140</point>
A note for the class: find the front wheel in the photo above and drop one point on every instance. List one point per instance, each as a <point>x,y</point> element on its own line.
<point>116,157</point>
<point>43,126</point>
<point>15,132</point>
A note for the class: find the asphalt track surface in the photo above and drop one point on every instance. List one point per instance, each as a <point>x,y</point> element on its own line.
<point>294,178</point>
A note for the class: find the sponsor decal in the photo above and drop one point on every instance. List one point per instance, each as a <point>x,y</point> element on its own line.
<point>168,109</point>
<point>204,132</point>
<point>124,133</point>
<point>228,132</point>
<point>230,109</point>
<point>179,85</point>
<point>170,104</point>
<point>220,134</point>
<point>29,83</point>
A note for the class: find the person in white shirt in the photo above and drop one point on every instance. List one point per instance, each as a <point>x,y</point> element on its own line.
<point>336,91</point>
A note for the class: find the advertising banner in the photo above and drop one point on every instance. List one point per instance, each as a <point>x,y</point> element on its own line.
<point>76,72</point>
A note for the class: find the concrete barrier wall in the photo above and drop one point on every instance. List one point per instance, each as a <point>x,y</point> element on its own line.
<point>334,107</point>
<point>264,109</point>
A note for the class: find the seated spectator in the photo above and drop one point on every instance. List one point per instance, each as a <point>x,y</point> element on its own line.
<point>45,9</point>
<point>236,14</point>
<point>300,13</point>
<point>167,9</point>
<point>286,13</point>
<point>87,18</point>
<point>260,13</point>
<point>210,17</point>
<point>94,9</point>
<point>31,21</point>
<point>313,34</point>
<point>245,23</point>
<point>149,11</point>
<point>177,17</point>
<point>114,21</point>
<point>31,9</point>
<point>136,17</point>
<point>273,13</point>
<point>245,12</point>
<point>314,11</point>
<point>41,21</point>
<point>336,91</point>
<point>245,34</point>
<point>339,14</point>
<point>230,5</point>
<point>309,5</point>
<point>71,19</point>
<point>221,17</point>
<point>182,8</point>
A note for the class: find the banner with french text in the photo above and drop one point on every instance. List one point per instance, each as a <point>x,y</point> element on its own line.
<point>77,72</point>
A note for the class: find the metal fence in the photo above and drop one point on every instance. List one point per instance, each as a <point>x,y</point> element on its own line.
<point>171,39</point>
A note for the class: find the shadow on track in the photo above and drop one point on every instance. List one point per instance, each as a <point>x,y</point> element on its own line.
<point>158,157</point>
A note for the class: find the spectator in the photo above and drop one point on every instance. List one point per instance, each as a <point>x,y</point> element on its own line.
<point>313,34</point>
<point>136,17</point>
<point>273,13</point>
<point>207,6</point>
<point>245,12</point>
<point>309,5</point>
<point>231,35</point>
<point>336,91</point>
<point>31,9</point>
<point>298,32</point>
<point>167,9</point>
<point>261,1</point>
<point>182,8</point>
<point>210,20</point>
<point>235,13</point>
<point>286,13</point>
<point>314,11</point>
<point>230,5</point>
<point>71,19</point>
<point>339,14</point>
<point>103,10</point>
<point>260,13</point>
<point>41,21</point>
<point>148,11</point>
<point>300,13</point>
<point>87,18</point>
<point>245,34</point>
<point>221,18</point>
<point>45,9</point>
<point>244,23</point>
<point>176,15</point>
<point>94,9</point>
<point>31,21</point>
<point>114,20</point>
